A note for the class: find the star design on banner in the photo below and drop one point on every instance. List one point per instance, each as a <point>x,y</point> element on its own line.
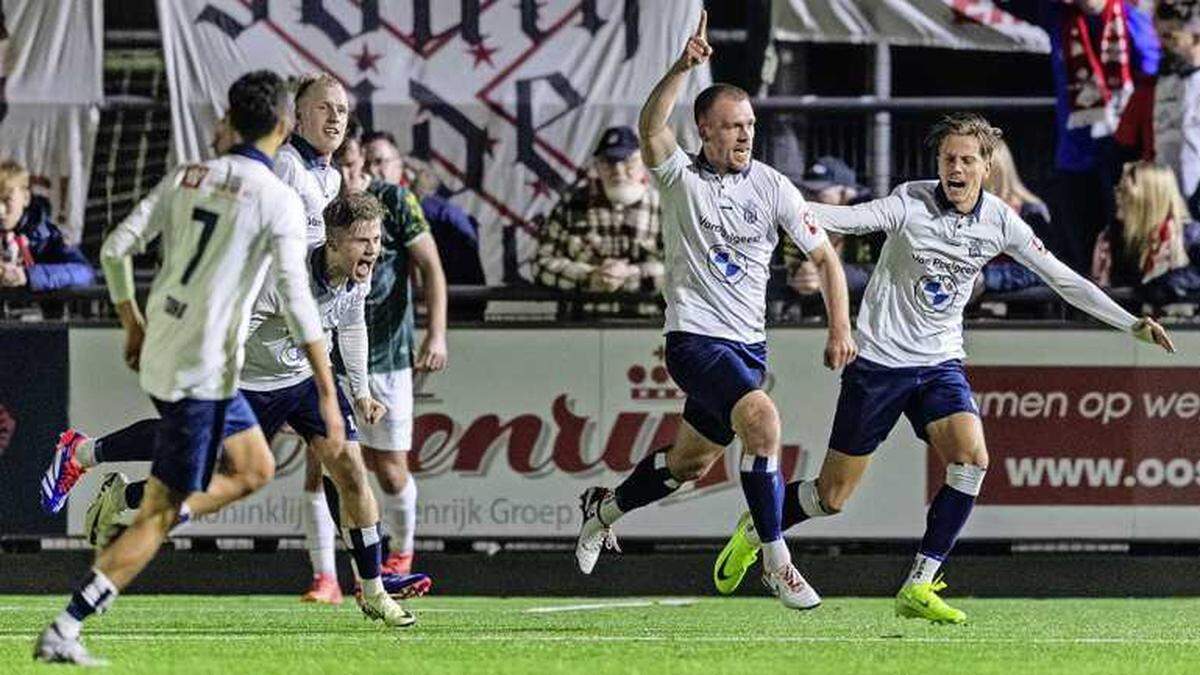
<point>539,187</point>
<point>482,53</point>
<point>365,60</point>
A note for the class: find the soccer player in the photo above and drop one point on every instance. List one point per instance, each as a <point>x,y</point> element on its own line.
<point>940,233</point>
<point>222,222</point>
<point>407,242</point>
<point>280,388</point>
<point>722,212</point>
<point>322,111</point>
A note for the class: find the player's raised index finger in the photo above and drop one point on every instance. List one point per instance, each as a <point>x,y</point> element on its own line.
<point>702,29</point>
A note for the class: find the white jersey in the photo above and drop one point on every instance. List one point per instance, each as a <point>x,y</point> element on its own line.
<point>313,178</point>
<point>718,236</point>
<point>1177,127</point>
<point>222,222</point>
<point>911,312</point>
<point>275,360</point>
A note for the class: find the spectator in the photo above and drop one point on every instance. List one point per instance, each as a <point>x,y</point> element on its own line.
<point>831,181</point>
<point>32,251</point>
<point>455,233</point>
<point>1149,248</point>
<point>605,234</point>
<point>1002,274</point>
<point>1099,49</point>
<point>1162,122</point>
<point>454,230</point>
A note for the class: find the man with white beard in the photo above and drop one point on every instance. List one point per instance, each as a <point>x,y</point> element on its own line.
<point>605,235</point>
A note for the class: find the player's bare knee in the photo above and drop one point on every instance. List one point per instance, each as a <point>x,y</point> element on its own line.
<point>756,421</point>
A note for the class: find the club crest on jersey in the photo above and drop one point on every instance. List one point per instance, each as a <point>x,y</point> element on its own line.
<point>726,264</point>
<point>936,292</point>
<point>749,215</point>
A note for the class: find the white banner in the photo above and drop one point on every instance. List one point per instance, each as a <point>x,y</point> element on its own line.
<point>507,438</point>
<point>51,85</point>
<point>953,24</point>
<point>507,100</point>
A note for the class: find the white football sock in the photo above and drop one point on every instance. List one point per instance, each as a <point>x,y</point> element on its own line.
<point>85,453</point>
<point>923,570</point>
<point>319,533</point>
<point>399,514</point>
<point>775,554</point>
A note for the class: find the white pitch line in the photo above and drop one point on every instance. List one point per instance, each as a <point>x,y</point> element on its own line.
<point>669,602</point>
<point>408,636</point>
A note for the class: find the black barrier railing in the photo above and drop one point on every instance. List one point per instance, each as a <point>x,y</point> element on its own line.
<point>784,307</point>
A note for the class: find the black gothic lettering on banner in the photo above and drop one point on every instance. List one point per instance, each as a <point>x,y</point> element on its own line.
<point>527,129</point>
<point>422,33</point>
<point>229,25</point>
<point>474,136</point>
<point>592,22</point>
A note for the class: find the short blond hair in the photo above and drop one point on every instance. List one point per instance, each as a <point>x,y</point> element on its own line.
<point>306,83</point>
<point>966,124</point>
<point>11,171</point>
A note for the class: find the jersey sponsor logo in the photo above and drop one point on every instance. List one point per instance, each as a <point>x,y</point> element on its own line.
<point>292,356</point>
<point>727,264</point>
<point>936,264</point>
<point>936,292</point>
<point>728,236</point>
<point>194,175</point>
<point>175,308</point>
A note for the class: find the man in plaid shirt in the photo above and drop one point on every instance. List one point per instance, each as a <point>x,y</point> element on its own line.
<point>605,235</point>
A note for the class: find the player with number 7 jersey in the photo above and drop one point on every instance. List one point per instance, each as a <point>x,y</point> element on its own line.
<point>221,222</point>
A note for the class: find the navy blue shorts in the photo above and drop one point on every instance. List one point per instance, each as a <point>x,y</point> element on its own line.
<point>297,405</point>
<point>188,443</point>
<point>715,374</point>
<point>873,397</point>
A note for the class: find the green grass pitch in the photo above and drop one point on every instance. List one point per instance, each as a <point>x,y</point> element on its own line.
<point>272,634</point>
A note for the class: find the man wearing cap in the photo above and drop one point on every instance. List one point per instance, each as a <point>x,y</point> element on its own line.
<point>829,180</point>
<point>605,235</point>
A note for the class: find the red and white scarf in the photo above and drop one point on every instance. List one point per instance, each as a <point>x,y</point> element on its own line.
<point>1098,85</point>
<point>14,248</point>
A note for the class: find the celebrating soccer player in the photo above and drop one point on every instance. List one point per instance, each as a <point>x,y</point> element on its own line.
<point>722,212</point>
<point>940,233</point>
<point>221,221</point>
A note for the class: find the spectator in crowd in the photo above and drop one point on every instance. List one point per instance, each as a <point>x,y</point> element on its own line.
<point>605,234</point>
<point>1002,273</point>
<point>1099,49</point>
<point>33,253</point>
<point>831,181</point>
<point>1149,247</point>
<point>1177,96</point>
<point>454,231</point>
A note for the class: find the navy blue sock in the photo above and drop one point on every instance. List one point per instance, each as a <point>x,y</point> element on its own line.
<point>134,493</point>
<point>364,544</point>
<point>947,514</point>
<point>94,594</point>
<point>793,513</point>
<point>764,495</point>
<point>650,481</point>
<point>134,443</point>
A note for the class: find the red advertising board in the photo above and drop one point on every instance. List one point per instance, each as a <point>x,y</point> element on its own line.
<point>1118,436</point>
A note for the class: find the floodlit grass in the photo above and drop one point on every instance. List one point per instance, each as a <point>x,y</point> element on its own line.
<point>272,634</point>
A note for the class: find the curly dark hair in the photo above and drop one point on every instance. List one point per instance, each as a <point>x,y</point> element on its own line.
<point>257,101</point>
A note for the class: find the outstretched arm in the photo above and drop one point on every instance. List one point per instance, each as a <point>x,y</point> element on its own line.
<point>657,139</point>
<point>1085,295</point>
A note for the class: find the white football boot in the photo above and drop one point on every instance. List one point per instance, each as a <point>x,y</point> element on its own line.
<point>793,591</point>
<point>594,534</point>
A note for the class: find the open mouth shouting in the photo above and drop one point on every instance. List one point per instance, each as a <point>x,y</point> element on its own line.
<point>363,267</point>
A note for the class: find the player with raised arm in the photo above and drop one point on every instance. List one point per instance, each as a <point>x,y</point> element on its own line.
<point>222,223</point>
<point>940,233</point>
<point>722,213</point>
